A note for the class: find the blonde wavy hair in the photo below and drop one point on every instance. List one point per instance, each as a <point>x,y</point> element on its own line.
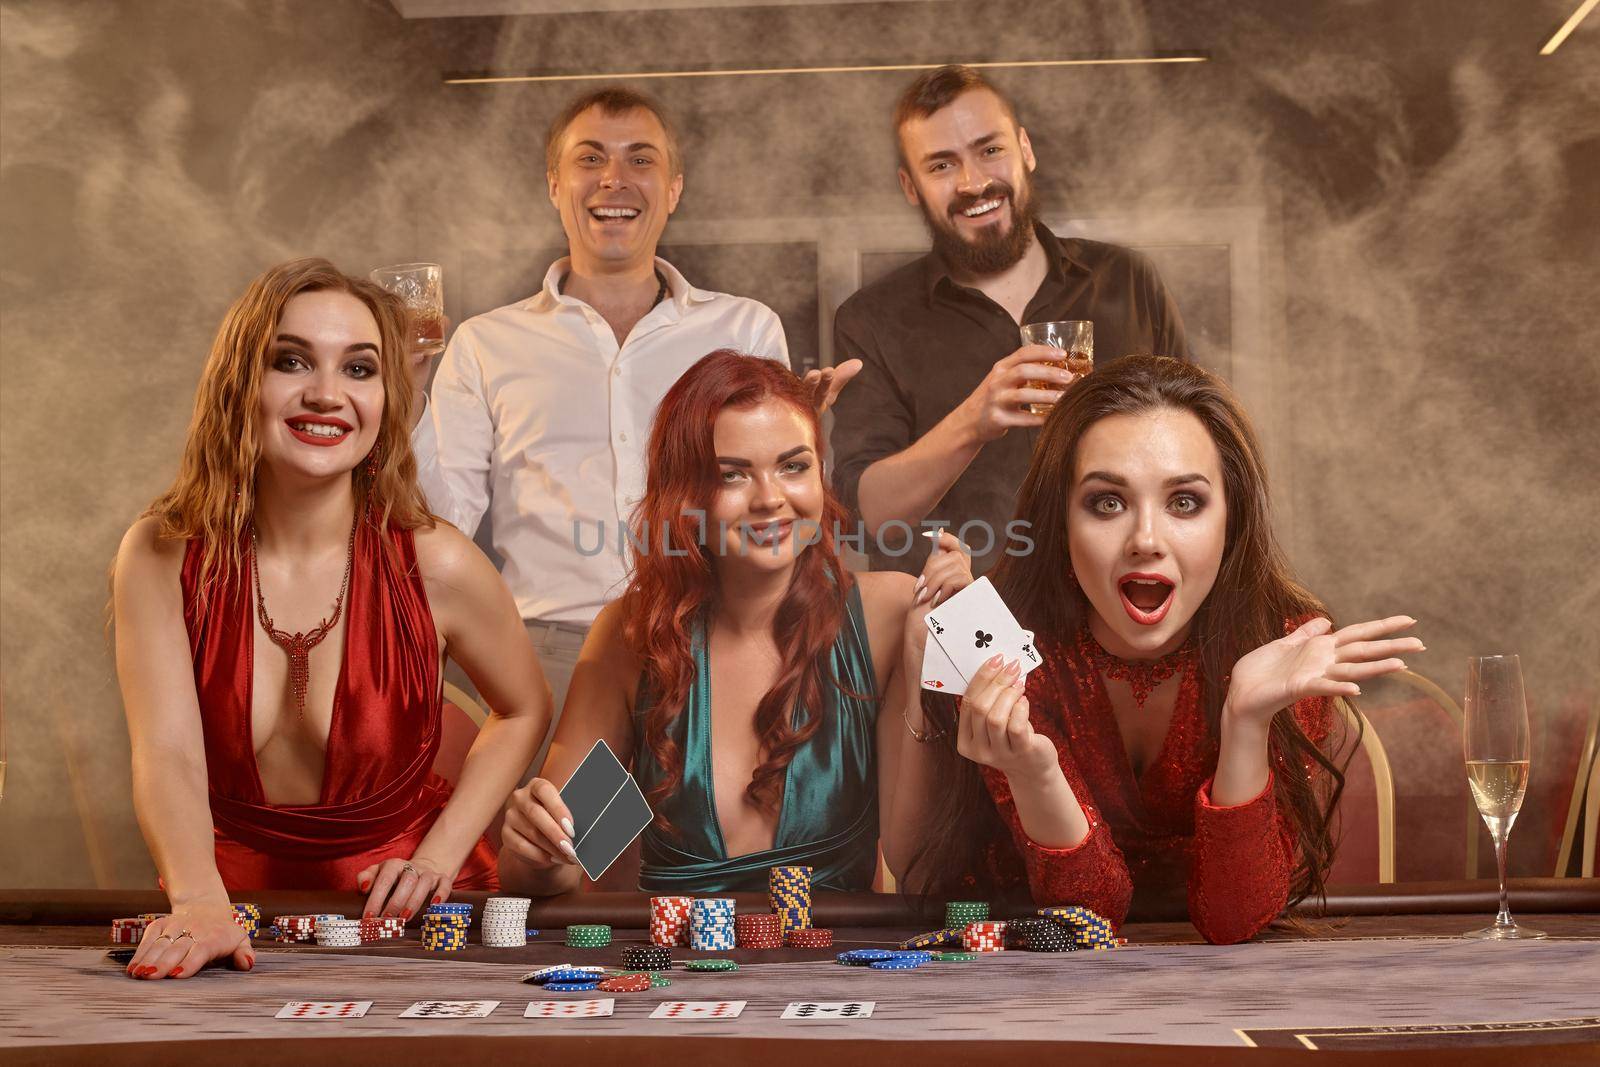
<point>213,496</point>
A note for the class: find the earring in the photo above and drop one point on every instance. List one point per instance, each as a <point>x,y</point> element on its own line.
<point>374,461</point>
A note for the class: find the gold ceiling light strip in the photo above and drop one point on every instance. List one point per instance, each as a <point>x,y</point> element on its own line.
<point>1572,23</point>
<point>502,79</point>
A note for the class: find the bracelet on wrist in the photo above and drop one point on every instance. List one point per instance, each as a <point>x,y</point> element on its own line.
<point>922,737</point>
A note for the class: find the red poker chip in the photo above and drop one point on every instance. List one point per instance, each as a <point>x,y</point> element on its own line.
<point>810,937</point>
<point>628,983</point>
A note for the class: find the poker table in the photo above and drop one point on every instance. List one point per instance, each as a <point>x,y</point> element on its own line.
<point>1382,976</point>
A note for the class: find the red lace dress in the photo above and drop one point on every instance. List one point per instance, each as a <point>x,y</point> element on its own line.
<point>379,793</point>
<point>1158,834</point>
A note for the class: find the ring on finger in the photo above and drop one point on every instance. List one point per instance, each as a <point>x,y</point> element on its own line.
<point>183,935</point>
<point>408,869</point>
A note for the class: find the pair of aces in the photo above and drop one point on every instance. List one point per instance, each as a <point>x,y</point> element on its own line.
<point>967,631</point>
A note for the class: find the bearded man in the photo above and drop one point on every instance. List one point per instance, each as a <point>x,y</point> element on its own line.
<point>935,427</point>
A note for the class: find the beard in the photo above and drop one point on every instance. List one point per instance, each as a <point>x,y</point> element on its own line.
<point>996,249</point>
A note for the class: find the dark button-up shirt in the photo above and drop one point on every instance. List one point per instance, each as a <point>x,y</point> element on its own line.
<point>928,342</point>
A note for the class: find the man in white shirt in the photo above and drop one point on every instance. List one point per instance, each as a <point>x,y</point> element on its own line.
<point>541,409</point>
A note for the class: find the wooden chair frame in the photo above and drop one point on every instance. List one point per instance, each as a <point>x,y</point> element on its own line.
<point>1383,785</point>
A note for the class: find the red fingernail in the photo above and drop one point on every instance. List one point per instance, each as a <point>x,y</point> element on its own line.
<point>366,885</point>
<point>175,971</point>
<point>438,899</point>
<point>406,914</point>
<point>249,963</point>
<point>146,971</point>
<point>367,914</point>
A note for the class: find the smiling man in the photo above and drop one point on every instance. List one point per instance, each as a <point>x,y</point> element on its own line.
<point>934,428</point>
<point>541,410</point>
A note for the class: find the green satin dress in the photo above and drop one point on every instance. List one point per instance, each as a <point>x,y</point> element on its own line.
<point>829,818</point>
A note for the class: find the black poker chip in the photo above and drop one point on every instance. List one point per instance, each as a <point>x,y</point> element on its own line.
<point>647,958</point>
<point>1020,931</point>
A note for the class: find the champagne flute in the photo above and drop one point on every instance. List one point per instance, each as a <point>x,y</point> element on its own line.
<point>1075,338</point>
<point>421,286</point>
<point>1495,742</point>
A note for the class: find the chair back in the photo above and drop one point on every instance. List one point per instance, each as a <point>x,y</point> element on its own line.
<point>1382,789</point>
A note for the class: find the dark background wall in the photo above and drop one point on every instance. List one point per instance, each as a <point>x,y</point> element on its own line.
<point>1381,218</point>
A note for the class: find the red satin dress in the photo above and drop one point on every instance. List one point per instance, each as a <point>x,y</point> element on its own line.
<point>379,792</point>
<point>1159,833</point>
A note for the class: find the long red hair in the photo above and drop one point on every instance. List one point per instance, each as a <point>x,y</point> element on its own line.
<point>667,592</point>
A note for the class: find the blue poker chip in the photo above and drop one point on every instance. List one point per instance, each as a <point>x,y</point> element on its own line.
<point>530,933</point>
<point>571,987</point>
<point>861,957</point>
<point>896,964</point>
<point>566,974</point>
<point>449,909</point>
<point>920,957</point>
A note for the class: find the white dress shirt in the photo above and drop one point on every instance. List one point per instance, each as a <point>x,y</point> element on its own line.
<point>539,417</point>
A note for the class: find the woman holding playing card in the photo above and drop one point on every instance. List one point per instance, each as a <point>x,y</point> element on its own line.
<point>1179,737</point>
<point>281,616</point>
<point>755,687</point>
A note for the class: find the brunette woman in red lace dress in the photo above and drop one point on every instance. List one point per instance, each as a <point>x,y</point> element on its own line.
<point>281,617</point>
<point>1178,738</point>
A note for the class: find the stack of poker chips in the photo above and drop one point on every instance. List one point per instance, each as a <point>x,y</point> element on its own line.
<point>1038,935</point>
<point>249,917</point>
<point>984,936</point>
<point>128,931</point>
<point>595,935</point>
<point>565,978</point>
<point>505,921</point>
<point>757,930</point>
<point>1087,928</point>
<point>789,894</point>
<point>381,927</point>
<point>711,925</point>
<point>960,913</point>
<point>810,937</point>
<point>646,958</point>
<point>296,927</point>
<point>338,933</point>
<point>949,937</point>
<point>880,959</point>
<point>669,921</point>
<point>444,927</point>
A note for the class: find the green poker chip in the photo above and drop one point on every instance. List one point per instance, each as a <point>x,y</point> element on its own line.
<point>710,965</point>
<point>954,957</point>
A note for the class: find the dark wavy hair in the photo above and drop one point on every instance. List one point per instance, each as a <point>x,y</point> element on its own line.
<point>668,590</point>
<point>1255,595</point>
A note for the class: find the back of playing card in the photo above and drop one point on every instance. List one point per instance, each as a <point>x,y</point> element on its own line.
<point>592,787</point>
<point>624,819</point>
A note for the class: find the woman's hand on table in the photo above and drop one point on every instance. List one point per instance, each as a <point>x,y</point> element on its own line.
<point>404,887</point>
<point>538,826</point>
<point>181,944</point>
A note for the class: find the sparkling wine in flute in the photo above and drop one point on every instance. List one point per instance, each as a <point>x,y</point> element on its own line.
<point>1495,744</point>
<point>1497,786</point>
<point>1075,338</point>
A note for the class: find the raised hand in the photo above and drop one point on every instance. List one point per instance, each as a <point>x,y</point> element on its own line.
<point>538,826</point>
<point>995,406</point>
<point>1316,661</point>
<point>827,383</point>
<point>181,944</point>
<point>993,727</point>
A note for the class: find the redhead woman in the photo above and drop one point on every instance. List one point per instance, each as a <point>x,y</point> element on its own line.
<point>756,688</point>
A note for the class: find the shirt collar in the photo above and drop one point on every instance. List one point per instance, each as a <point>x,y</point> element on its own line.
<point>680,293</point>
<point>1057,255</point>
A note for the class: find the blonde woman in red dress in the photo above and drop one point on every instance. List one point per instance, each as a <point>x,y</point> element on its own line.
<point>1179,740</point>
<point>282,613</point>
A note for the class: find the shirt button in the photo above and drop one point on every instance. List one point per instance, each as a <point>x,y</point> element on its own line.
<point>622,437</point>
<point>617,372</point>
